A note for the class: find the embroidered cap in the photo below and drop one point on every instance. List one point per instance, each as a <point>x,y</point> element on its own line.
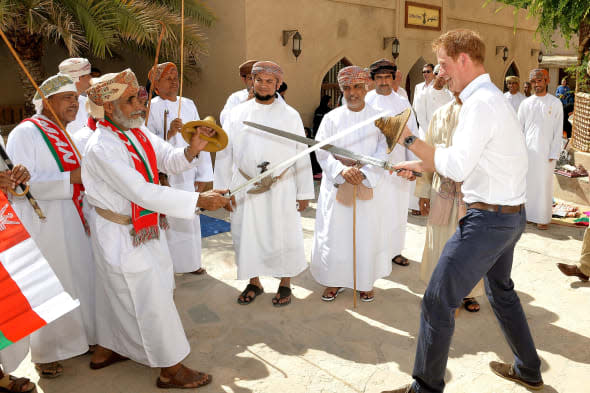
<point>539,73</point>
<point>53,85</point>
<point>512,79</point>
<point>382,66</point>
<point>246,67</point>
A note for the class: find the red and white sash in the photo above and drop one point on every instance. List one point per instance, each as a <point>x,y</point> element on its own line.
<point>60,147</point>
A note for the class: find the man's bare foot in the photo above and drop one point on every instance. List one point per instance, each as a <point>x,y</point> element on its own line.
<point>543,227</point>
<point>182,377</point>
<point>283,296</point>
<point>330,293</point>
<point>367,296</point>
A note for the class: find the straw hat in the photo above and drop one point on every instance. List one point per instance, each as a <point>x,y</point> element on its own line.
<point>217,142</point>
<point>392,127</point>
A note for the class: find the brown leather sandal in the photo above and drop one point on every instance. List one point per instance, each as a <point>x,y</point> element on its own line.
<point>11,384</point>
<point>183,377</point>
<point>49,370</point>
<point>112,359</point>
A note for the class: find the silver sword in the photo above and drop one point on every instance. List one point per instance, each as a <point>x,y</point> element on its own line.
<point>361,158</point>
<point>289,161</point>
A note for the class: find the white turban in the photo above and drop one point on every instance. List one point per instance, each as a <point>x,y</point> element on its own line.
<point>74,67</point>
<point>53,85</point>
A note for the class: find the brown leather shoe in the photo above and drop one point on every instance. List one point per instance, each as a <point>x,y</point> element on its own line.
<point>572,270</point>
<point>506,371</point>
<point>403,389</point>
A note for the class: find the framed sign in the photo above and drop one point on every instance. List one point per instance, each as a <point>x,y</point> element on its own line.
<point>423,16</point>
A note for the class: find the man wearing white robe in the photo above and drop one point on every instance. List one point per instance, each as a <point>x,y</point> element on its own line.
<point>514,96</point>
<point>239,96</point>
<point>332,252</point>
<point>184,236</point>
<point>541,116</point>
<point>428,74</point>
<point>430,99</point>
<point>266,224</point>
<point>61,238</point>
<point>397,88</point>
<point>136,314</point>
<point>392,191</point>
<point>78,69</point>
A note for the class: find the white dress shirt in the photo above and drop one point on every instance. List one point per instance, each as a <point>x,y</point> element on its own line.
<point>488,153</point>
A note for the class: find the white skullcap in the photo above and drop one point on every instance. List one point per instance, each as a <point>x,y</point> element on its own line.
<point>74,67</point>
<point>53,85</point>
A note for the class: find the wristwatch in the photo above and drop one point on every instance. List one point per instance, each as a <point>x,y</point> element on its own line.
<point>409,140</point>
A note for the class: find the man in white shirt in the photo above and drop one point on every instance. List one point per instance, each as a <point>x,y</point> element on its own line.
<point>428,74</point>
<point>239,96</point>
<point>492,165</point>
<point>397,81</point>
<point>78,69</point>
<point>541,116</point>
<point>514,96</point>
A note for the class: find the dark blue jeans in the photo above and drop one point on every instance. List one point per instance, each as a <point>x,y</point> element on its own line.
<point>482,246</point>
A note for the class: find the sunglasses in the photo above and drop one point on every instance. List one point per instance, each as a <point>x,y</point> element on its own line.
<point>426,71</point>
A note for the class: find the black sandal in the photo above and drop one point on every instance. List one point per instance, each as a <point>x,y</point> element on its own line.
<point>283,292</point>
<point>249,299</point>
<point>400,260</point>
<point>469,302</point>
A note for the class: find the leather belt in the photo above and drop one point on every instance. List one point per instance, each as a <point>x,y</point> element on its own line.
<point>495,208</point>
<point>113,217</point>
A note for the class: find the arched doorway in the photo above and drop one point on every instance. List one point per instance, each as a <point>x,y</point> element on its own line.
<point>414,77</point>
<point>330,83</point>
<point>511,71</point>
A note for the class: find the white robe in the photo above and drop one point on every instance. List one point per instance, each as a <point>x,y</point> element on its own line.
<point>135,311</point>
<point>402,92</point>
<point>332,252</point>
<point>61,239</point>
<point>184,236</point>
<point>426,103</point>
<point>542,124</point>
<point>233,100</point>
<point>393,191</point>
<point>81,117</point>
<point>266,228</point>
<point>515,99</point>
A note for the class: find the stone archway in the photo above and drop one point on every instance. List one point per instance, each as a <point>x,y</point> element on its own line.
<point>330,82</point>
<point>414,77</point>
<point>512,70</point>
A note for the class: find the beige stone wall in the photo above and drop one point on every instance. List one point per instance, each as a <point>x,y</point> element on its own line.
<point>331,30</point>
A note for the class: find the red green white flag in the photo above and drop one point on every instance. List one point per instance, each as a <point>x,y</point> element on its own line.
<point>31,296</point>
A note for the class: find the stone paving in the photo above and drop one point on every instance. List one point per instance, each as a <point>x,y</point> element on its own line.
<point>317,347</point>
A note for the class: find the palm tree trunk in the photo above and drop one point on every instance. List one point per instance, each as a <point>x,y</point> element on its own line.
<point>29,47</point>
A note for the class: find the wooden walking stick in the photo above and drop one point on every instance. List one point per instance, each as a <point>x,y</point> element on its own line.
<point>149,102</point>
<point>181,55</point>
<point>46,103</point>
<point>354,189</point>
